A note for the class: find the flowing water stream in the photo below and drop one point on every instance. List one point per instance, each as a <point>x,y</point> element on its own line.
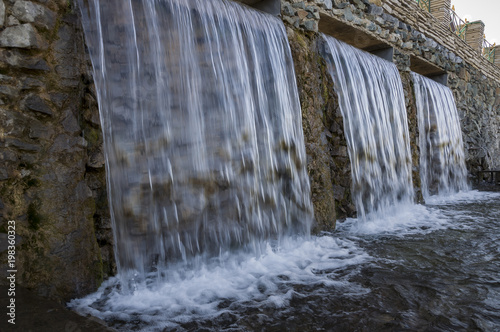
<point>202,132</point>
<point>372,102</point>
<point>442,159</point>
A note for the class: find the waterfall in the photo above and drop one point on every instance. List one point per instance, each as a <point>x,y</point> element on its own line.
<point>442,160</point>
<point>202,128</point>
<point>372,103</point>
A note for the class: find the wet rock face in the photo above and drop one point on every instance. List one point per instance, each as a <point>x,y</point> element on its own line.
<point>327,160</point>
<point>51,171</point>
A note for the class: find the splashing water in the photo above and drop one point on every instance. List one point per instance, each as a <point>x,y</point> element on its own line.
<point>371,99</point>
<point>201,120</point>
<point>442,160</point>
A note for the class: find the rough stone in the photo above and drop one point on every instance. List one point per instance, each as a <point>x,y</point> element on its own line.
<point>65,42</point>
<point>2,13</point>
<point>21,36</point>
<point>22,146</point>
<point>327,4</point>
<point>4,175</point>
<point>310,78</point>
<point>70,123</point>
<point>36,104</point>
<point>29,12</point>
<point>374,10</point>
<point>11,20</point>
<point>14,59</point>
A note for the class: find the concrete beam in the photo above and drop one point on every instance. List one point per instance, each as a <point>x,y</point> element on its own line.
<point>350,34</point>
<point>424,67</point>
<point>272,7</point>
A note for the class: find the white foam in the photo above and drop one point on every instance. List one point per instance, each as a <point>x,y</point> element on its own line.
<point>269,280</point>
<point>462,197</point>
<point>399,220</point>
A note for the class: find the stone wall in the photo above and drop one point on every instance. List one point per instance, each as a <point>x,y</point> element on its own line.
<point>326,145</point>
<point>418,36</point>
<point>52,177</point>
<point>51,165</point>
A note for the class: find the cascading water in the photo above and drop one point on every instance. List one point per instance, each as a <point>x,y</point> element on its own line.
<point>201,121</point>
<point>372,102</point>
<point>204,152</point>
<point>442,159</point>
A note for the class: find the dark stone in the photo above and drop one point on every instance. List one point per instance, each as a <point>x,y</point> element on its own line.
<point>4,175</point>
<point>66,68</point>
<point>348,15</point>
<point>67,144</point>
<point>9,91</point>
<point>36,104</point>
<point>7,79</point>
<point>300,5</point>
<point>96,159</point>
<point>59,98</point>
<point>374,10</point>
<point>31,82</point>
<point>21,145</point>
<point>288,10</point>
<point>65,43</point>
<point>390,20</point>
<point>7,155</point>
<point>70,123</point>
<point>39,130</point>
<point>15,59</point>
<point>338,192</point>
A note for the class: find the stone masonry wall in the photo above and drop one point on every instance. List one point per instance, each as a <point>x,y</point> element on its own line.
<point>51,165</point>
<point>326,146</point>
<point>415,33</point>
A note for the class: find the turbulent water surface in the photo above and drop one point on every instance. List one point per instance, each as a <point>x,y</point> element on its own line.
<point>434,267</point>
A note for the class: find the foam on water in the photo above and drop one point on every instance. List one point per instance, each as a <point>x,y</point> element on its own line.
<point>236,280</point>
<point>399,220</point>
<point>470,196</point>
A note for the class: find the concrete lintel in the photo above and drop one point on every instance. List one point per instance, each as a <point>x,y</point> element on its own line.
<point>272,7</point>
<point>352,35</point>
<point>385,53</point>
<point>441,79</point>
<point>424,67</point>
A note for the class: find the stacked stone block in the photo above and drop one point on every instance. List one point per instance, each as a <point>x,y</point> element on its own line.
<point>51,171</point>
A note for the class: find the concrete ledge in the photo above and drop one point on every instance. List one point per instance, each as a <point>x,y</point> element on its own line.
<point>350,34</point>
<point>424,67</point>
<point>272,7</point>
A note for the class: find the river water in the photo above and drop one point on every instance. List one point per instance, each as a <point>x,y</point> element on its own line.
<point>434,267</point>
